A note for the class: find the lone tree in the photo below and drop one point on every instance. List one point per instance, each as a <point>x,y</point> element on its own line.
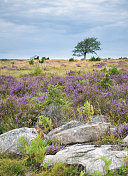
<point>88,45</point>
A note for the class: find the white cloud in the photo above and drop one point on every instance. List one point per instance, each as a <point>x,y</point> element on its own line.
<point>8,29</point>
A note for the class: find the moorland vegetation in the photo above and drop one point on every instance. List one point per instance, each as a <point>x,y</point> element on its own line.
<point>75,90</point>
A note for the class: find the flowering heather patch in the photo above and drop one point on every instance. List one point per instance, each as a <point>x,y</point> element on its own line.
<point>5,84</point>
<point>99,65</point>
<point>23,86</point>
<point>23,99</point>
<point>121,131</point>
<point>53,149</point>
<point>17,112</point>
<point>120,63</point>
<point>105,101</point>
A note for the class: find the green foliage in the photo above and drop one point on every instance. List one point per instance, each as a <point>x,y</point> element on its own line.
<point>126,158</point>
<point>106,82</point>
<point>45,122</point>
<point>37,150</point>
<point>37,71</point>
<point>23,142</point>
<point>46,58</point>
<point>46,165</point>
<point>35,153</point>
<point>111,139</point>
<point>36,58</point>
<point>10,167</point>
<point>87,109</point>
<point>31,62</point>
<point>122,171</point>
<point>82,173</point>
<point>71,59</point>
<point>61,169</point>
<point>54,96</point>
<point>96,173</point>
<point>88,45</point>
<point>98,59</point>
<point>107,163</point>
<point>113,70</point>
<point>95,59</point>
<point>42,60</point>
<point>92,58</point>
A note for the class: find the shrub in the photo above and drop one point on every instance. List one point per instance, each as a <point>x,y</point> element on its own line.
<point>113,70</point>
<point>71,59</point>
<point>42,60</point>
<point>31,62</point>
<point>92,58</point>
<point>95,59</point>
<point>106,82</point>
<point>36,58</point>
<point>47,58</point>
<point>98,59</point>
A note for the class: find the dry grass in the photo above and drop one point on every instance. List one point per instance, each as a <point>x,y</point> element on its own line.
<point>57,67</point>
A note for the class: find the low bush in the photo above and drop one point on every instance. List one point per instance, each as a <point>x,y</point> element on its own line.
<point>113,70</point>
<point>31,62</point>
<point>95,59</point>
<point>43,59</point>
<point>36,58</point>
<point>106,82</point>
<point>71,59</point>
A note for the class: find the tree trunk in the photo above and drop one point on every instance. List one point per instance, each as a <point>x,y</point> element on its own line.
<point>85,55</point>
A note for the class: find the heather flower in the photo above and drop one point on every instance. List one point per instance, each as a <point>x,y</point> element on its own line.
<point>121,131</point>
<point>52,150</point>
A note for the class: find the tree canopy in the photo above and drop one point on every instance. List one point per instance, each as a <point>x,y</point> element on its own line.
<point>88,45</point>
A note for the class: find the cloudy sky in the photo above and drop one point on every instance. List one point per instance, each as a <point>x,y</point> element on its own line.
<point>52,28</point>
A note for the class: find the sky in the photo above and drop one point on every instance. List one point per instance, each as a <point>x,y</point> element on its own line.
<point>52,28</point>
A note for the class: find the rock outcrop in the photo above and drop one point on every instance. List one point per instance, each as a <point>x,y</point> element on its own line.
<point>78,135</point>
<point>66,126</point>
<point>83,133</point>
<point>9,141</point>
<point>88,156</point>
